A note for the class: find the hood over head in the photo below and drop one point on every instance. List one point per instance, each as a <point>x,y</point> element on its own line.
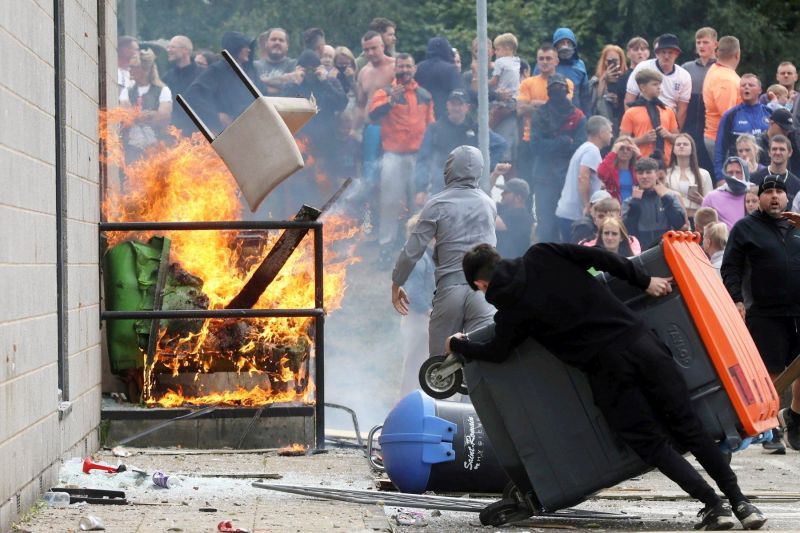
<point>508,282</point>
<point>439,47</point>
<point>234,41</point>
<point>564,33</point>
<point>464,167</point>
<point>566,54</point>
<point>734,185</point>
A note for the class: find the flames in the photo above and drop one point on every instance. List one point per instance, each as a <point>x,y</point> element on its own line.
<point>185,180</point>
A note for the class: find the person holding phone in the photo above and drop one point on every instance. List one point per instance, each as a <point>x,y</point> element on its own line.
<point>607,85</point>
<point>684,175</point>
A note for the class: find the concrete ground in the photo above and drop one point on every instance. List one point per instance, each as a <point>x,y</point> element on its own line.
<point>215,486</point>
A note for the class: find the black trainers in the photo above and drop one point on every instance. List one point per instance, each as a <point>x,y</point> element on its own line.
<point>749,515</point>
<point>716,518</point>
<point>791,425</point>
<point>775,446</point>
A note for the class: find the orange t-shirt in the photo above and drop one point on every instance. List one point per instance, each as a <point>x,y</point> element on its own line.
<point>636,122</point>
<point>720,93</point>
<point>403,127</point>
<point>535,88</point>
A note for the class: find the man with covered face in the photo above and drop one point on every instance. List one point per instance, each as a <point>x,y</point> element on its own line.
<point>728,200</point>
<point>572,67</point>
<point>767,243</point>
<point>458,218</point>
<point>558,128</point>
<point>404,110</point>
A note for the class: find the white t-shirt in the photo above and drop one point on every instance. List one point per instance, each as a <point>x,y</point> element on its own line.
<point>796,204</point>
<point>506,69</point>
<point>570,205</point>
<point>675,87</point>
<point>165,96</point>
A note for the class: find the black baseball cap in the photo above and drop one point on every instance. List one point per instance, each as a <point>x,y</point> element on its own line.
<point>668,40</point>
<point>458,94</point>
<point>783,118</point>
<point>772,182</point>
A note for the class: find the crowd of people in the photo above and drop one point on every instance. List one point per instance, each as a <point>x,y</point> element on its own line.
<point>610,159</point>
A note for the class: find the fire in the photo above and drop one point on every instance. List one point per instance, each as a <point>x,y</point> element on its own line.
<point>185,180</point>
<point>293,449</point>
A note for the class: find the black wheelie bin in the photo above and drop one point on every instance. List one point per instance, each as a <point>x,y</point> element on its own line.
<point>539,413</point>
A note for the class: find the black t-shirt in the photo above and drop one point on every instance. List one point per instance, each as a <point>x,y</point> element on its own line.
<point>514,241</point>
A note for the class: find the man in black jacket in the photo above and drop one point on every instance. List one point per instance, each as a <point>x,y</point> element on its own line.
<point>768,243</point>
<point>549,295</point>
<point>443,136</point>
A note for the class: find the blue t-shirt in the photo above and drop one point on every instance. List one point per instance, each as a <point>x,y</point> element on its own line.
<point>625,183</point>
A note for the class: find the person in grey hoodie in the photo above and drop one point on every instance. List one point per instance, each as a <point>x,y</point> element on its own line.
<point>458,218</point>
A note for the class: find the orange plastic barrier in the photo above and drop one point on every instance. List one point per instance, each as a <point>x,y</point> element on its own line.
<point>724,333</point>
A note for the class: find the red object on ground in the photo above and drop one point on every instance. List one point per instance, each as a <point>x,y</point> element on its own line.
<point>226,526</point>
<point>89,465</point>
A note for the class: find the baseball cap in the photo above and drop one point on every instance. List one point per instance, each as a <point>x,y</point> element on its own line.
<point>516,186</point>
<point>458,94</point>
<point>772,182</point>
<point>556,79</point>
<point>783,118</point>
<point>668,40</point>
<point>598,196</point>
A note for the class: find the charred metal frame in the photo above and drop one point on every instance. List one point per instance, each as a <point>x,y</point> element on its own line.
<point>317,313</point>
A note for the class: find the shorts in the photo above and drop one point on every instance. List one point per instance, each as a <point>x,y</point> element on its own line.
<point>777,339</point>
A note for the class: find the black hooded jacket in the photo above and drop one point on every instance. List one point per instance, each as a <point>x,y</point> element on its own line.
<point>548,294</point>
<point>438,74</point>
<point>219,90</point>
<point>770,248</point>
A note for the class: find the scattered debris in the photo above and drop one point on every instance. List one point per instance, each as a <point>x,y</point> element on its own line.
<point>226,526</point>
<point>410,518</point>
<point>119,451</point>
<point>56,498</point>
<point>293,451</point>
<point>165,481</point>
<point>91,523</point>
<point>89,465</point>
<point>208,509</point>
<point>98,496</point>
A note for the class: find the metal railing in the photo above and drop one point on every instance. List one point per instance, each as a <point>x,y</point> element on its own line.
<point>317,313</point>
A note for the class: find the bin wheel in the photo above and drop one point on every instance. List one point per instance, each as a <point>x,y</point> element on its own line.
<point>502,512</point>
<point>433,384</point>
<point>511,492</point>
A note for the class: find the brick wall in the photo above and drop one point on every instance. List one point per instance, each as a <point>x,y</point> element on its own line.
<point>34,435</point>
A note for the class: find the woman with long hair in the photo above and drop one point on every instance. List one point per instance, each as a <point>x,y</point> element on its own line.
<point>608,90</point>
<point>152,99</point>
<point>344,69</point>
<point>612,235</point>
<point>685,176</point>
<point>617,169</point>
<point>748,149</point>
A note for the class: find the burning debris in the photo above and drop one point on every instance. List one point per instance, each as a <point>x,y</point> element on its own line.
<point>293,450</point>
<point>185,180</point>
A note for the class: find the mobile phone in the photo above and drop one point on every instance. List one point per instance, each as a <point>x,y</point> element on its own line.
<point>693,189</point>
<point>612,63</point>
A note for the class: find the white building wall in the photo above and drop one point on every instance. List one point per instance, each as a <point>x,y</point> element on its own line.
<point>34,435</point>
